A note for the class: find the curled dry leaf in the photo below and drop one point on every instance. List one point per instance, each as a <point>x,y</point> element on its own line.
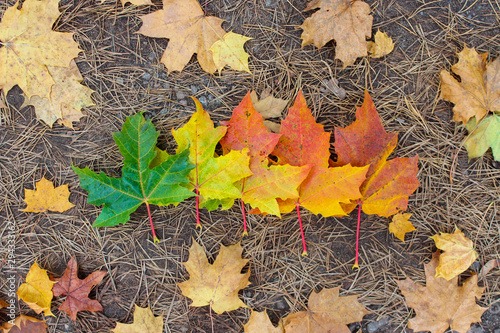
<point>332,85</point>
<point>382,46</point>
<point>144,321</point>
<point>67,97</point>
<point>347,22</point>
<point>326,312</point>
<point>401,225</point>
<point>441,303</point>
<point>458,254</point>
<point>217,284</point>
<point>478,91</point>
<point>229,51</point>
<point>47,197</point>
<point>37,290</point>
<point>77,290</point>
<point>259,322</point>
<point>30,47</point>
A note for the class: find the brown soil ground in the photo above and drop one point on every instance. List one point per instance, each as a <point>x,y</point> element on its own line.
<point>124,69</point>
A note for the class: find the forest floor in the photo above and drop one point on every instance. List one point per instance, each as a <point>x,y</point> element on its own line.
<point>124,70</point>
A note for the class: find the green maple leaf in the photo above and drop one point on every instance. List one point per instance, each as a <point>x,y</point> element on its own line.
<point>139,184</point>
<point>484,136</point>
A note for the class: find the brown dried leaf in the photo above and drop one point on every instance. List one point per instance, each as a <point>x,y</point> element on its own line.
<point>441,303</point>
<point>268,105</point>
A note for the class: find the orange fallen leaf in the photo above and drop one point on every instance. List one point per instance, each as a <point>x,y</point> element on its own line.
<point>77,290</point>
<point>259,322</point>
<point>144,321</point>
<point>37,290</point>
<point>458,254</point>
<point>24,324</point>
<point>441,303</point>
<point>217,284</point>
<point>326,312</point>
<point>347,22</point>
<point>401,225</point>
<point>478,91</point>
<point>47,197</point>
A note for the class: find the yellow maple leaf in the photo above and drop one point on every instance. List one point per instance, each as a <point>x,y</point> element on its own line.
<point>216,284</point>
<point>327,312</point>
<point>37,290</point>
<point>30,45</point>
<point>401,225</point>
<point>229,51</point>
<point>478,91</point>
<point>144,321</point>
<point>67,97</point>
<point>382,46</point>
<point>348,22</point>
<point>189,31</point>
<point>47,197</point>
<point>441,303</point>
<point>259,322</point>
<point>458,254</point>
<point>28,323</point>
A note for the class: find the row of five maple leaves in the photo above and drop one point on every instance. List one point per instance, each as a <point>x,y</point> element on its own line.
<point>303,176</point>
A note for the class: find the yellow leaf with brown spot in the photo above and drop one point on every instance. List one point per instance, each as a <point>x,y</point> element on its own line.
<point>478,91</point>
<point>382,46</point>
<point>458,254</point>
<point>24,324</point>
<point>401,225</point>
<point>215,284</point>
<point>441,303</point>
<point>30,47</point>
<point>259,322</point>
<point>189,31</point>
<point>144,321</point>
<point>47,197</point>
<point>37,290</point>
<point>229,51</point>
<point>347,22</point>
<point>67,97</point>
<point>326,312</point>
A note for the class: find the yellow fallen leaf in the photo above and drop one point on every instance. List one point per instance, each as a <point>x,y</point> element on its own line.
<point>229,51</point>
<point>30,46</point>
<point>401,225</point>
<point>268,105</point>
<point>458,254</point>
<point>29,324</point>
<point>215,284</point>
<point>478,90</point>
<point>46,197</point>
<point>144,321</point>
<point>259,322</point>
<point>3,304</point>
<point>37,290</point>
<point>347,22</point>
<point>382,46</point>
<point>67,97</point>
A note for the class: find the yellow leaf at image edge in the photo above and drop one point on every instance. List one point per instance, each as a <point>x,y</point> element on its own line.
<point>46,198</point>
<point>37,290</point>
<point>382,46</point>
<point>401,225</point>
<point>229,51</point>
<point>215,284</point>
<point>458,254</point>
<point>144,321</point>
<point>259,322</point>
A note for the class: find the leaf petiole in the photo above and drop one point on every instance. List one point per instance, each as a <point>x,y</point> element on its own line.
<point>245,230</point>
<point>198,224</point>
<point>356,262</point>
<point>304,247</point>
<point>155,239</point>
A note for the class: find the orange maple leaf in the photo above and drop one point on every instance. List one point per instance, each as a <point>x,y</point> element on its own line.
<point>77,290</point>
<point>388,184</point>
<point>304,142</point>
<point>246,129</point>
